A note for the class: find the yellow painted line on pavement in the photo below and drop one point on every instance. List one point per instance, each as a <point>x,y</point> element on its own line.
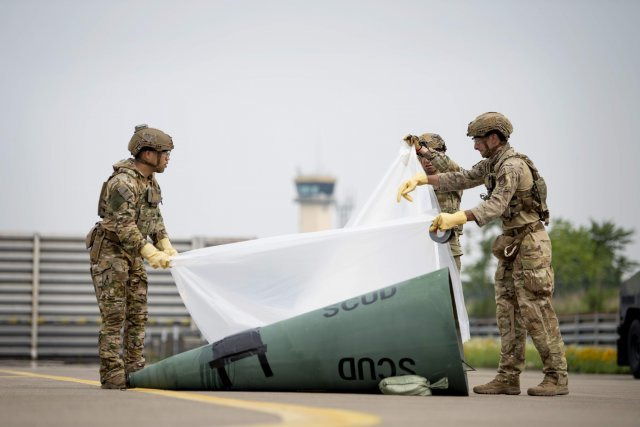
<point>51,377</point>
<point>291,415</point>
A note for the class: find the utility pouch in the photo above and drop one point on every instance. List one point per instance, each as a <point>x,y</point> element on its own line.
<point>505,247</point>
<point>91,235</point>
<point>96,245</point>
<point>153,196</point>
<point>102,203</point>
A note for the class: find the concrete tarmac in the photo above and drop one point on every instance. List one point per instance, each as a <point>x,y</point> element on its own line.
<point>57,394</point>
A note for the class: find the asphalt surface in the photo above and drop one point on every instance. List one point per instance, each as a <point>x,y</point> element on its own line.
<point>57,394</point>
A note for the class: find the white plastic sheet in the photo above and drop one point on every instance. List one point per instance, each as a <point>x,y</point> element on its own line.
<point>234,287</point>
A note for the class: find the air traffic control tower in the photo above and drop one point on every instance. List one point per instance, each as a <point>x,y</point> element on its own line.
<point>315,196</point>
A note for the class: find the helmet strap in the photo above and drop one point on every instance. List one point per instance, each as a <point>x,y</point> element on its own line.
<point>153,165</point>
<point>491,151</point>
<point>143,161</point>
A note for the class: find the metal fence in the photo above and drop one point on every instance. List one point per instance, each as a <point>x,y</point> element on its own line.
<point>580,329</point>
<point>48,307</point>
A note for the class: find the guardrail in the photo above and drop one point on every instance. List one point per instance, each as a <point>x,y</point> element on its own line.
<point>48,306</point>
<point>580,329</point>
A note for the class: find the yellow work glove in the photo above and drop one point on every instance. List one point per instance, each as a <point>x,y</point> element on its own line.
<point>165,246</point>
<point>408,186</point>
<point>445,221</point>
<point>156,258</point>
<point>413,141</point>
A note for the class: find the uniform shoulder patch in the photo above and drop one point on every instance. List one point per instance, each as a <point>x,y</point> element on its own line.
<point>515,166</point>
<point>115,201</point>
<point>124,185</point>
<point>125,192</point>
<point>513,161</point>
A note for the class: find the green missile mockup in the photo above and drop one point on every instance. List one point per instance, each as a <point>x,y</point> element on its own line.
<point>409,328</point>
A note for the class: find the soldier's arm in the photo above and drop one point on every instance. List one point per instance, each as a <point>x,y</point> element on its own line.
<point>506,185</point>
<point>434,162</point>
<point>461,180</point>
<point>159,232</point>
<point>122,200</point>
<point>443,163</point>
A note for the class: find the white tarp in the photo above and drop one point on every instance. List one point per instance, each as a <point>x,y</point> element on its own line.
<point>234,287</point>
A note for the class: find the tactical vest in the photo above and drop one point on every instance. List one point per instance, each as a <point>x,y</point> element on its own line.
<point>532,200</point>
<point>102,200</point>
<point>153,197</point>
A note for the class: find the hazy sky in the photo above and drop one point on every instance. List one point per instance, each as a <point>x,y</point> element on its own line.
<point>252,91</point>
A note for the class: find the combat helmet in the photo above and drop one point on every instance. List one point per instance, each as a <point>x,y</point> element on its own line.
<point>146,137</point>
<point>485,123</point>
<point>433,141</point>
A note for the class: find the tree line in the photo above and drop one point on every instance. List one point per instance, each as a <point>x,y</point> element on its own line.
<point>588,261</point>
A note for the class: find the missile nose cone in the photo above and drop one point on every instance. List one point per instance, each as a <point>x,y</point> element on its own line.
<point>350,346</point>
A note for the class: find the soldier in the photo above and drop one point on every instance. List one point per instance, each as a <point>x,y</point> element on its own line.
<point>431,150</point>
<point>129,206</point>
<point>524,276</point>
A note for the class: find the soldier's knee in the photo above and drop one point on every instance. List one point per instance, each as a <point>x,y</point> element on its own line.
<point>113,313</point>
<point>138,319</point>
<point>137,308</point>
<point>503,307</point>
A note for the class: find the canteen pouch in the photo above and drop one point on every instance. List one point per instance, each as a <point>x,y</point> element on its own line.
<point>153,197</point>
<point>505,248</point>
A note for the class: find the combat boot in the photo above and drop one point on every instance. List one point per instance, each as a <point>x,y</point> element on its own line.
<point>117,382</point>
<point>551,385</point>
<point>501,384</point>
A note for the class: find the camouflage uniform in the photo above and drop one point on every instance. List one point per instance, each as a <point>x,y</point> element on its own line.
<point>449,201</point>
<point>523,285</point>
<point>131,213</point>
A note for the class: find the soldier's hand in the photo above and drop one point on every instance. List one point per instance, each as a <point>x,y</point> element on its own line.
<point>156,258</point>
<point>445,221</point>
<point>408,186</point>
<point>412,140</point>
<point>165,246</point>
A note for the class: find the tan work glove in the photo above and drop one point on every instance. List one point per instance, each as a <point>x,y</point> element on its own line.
<point>408,186</point>
<point>445,221</point>
<point>165,246</point>
<point>156,258</point>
